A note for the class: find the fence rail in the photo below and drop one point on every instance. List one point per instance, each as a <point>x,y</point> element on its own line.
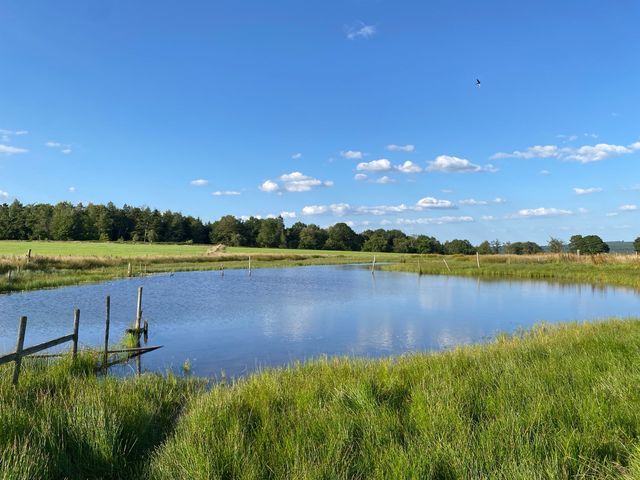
<point>22,352</point>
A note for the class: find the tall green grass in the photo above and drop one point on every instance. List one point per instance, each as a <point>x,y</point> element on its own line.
<point>556,402</point>
<point>560,402</point>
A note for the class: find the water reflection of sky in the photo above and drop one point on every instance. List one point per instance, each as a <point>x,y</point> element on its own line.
<point>238,323</point>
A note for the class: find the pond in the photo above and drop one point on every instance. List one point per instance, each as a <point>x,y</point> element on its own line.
<point>236,323</point>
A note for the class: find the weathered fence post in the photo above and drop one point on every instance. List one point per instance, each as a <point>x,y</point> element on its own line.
<point>28,255</point>
<point>139,310</point>
<point>129,269</point>
<point>249,265</point>
<point>373,264</point>
<point>19,344</point>
<point>106,332</point>
<point>76,326</point>
<point>478,259</point>
<point>446,264</point>
<point>419,266</point>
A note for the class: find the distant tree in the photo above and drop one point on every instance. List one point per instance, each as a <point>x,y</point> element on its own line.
<point>227,230</point>
<point>496,246</point>
<point>636,244</point>
<point>342,237</point>
<point>456,246</point>
<point>590,244</point>
<point>272,233</point>
<point>523,248</point>
<point>312,237</point>
<point>404,245</point>
<point>555,245</point>
<point>484,248</point>
<point>376,241</point>
<point>426,244</point>
<point>292,234</point>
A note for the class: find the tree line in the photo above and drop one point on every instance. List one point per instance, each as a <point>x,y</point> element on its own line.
<point>66,221</point>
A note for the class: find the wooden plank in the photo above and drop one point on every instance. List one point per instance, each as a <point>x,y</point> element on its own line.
<point>48,344</point>
<point>19,345</point>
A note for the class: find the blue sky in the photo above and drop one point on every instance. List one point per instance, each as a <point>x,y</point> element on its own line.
<point>312,109</point>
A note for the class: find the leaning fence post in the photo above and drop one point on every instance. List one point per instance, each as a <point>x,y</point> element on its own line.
<point>76,326</point>
<point>478,259</point>
<point>19,344</point>
<point>106,332</point>
<point>446,264</point>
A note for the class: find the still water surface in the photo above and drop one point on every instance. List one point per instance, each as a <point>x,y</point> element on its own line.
<point>238,323</point>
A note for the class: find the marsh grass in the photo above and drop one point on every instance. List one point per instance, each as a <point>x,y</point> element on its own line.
<point>554,402</point>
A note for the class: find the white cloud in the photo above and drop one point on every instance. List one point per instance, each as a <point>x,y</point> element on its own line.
<point>5,135</point>
<point>541,212</point>
<point>612,214</point>
<point>499,200</point>
<point>296,156</point>
<point>473,202</point>
<point>408,167</point>
<point>64,147</point>
<point>200,182</point>
<point>381,165</point>
<point>288,214</point>
<point>430,202</point>
<point>586,191</point>
<point>488,218</point>
<point>434,221</point>
<point>4,194</point>
<point>269,186</point>
<point>537,151</point>
<point>225,193</point>
<point>401,148</point>
<point>352,154</point>
<point>340,209</point>
<point>72,189</point>
<point>583,154</point>
<point>544,172</point>
<point>360,176</point>
<point>451,164</point>
<point>360,30</point>
<point>628,208</point>
<point>384,180</point>
<point>9,150</point>
<point>567,138</point>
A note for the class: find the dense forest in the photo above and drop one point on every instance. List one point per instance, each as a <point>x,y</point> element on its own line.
<point>65,221</point>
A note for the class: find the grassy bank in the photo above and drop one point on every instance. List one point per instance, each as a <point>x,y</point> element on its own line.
<point>556,402</point>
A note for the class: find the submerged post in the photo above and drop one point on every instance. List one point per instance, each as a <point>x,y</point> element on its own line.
<point>106,332</point>
<point>249,265</point>
<point>222,271</point>
<point>139,309</point>
<point>19,344</point>
<point>76,327</point>
<point>373,264</point>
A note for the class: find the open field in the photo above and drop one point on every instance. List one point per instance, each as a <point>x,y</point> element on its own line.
<point>555,402</point>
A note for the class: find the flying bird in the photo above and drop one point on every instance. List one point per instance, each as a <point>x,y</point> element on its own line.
<point>477,83</point>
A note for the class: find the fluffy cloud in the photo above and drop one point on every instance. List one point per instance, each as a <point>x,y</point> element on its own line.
<point>225,193</point>
<point>294,182</point>
<point>269,186</point>
<point>434,221</point>
<point>200,182</point>
<point>583,154</point>
<point>340,209</point>
<point>360,30</point>
<point>72,189</point>
<point>401,148</point>
<point>5,135</point>
<point>384,180</point>
<point>451,164</point>
<point>360,176</point>
<point>288,214</point>
<point>4,194</point>
<point>408,167</point>
<point>381,165</point>
<point>9,150</point>
<point>541,212</point>
<point>586,191</point>
<point>352,154</point>
<point>629,208</point>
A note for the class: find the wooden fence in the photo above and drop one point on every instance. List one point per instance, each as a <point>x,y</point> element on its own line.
<point>22,352</point>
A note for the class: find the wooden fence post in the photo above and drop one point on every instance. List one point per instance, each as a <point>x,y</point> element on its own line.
<point>446,264</point>
<point>76,326</point>
<point>139,309</point>
<point>373,264</point>
<point>106,332</point>
<point>19,344</point>
<point>129,269</point>
<point>478,259</point>
<point>28,255</point>
<point>249,265</point>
